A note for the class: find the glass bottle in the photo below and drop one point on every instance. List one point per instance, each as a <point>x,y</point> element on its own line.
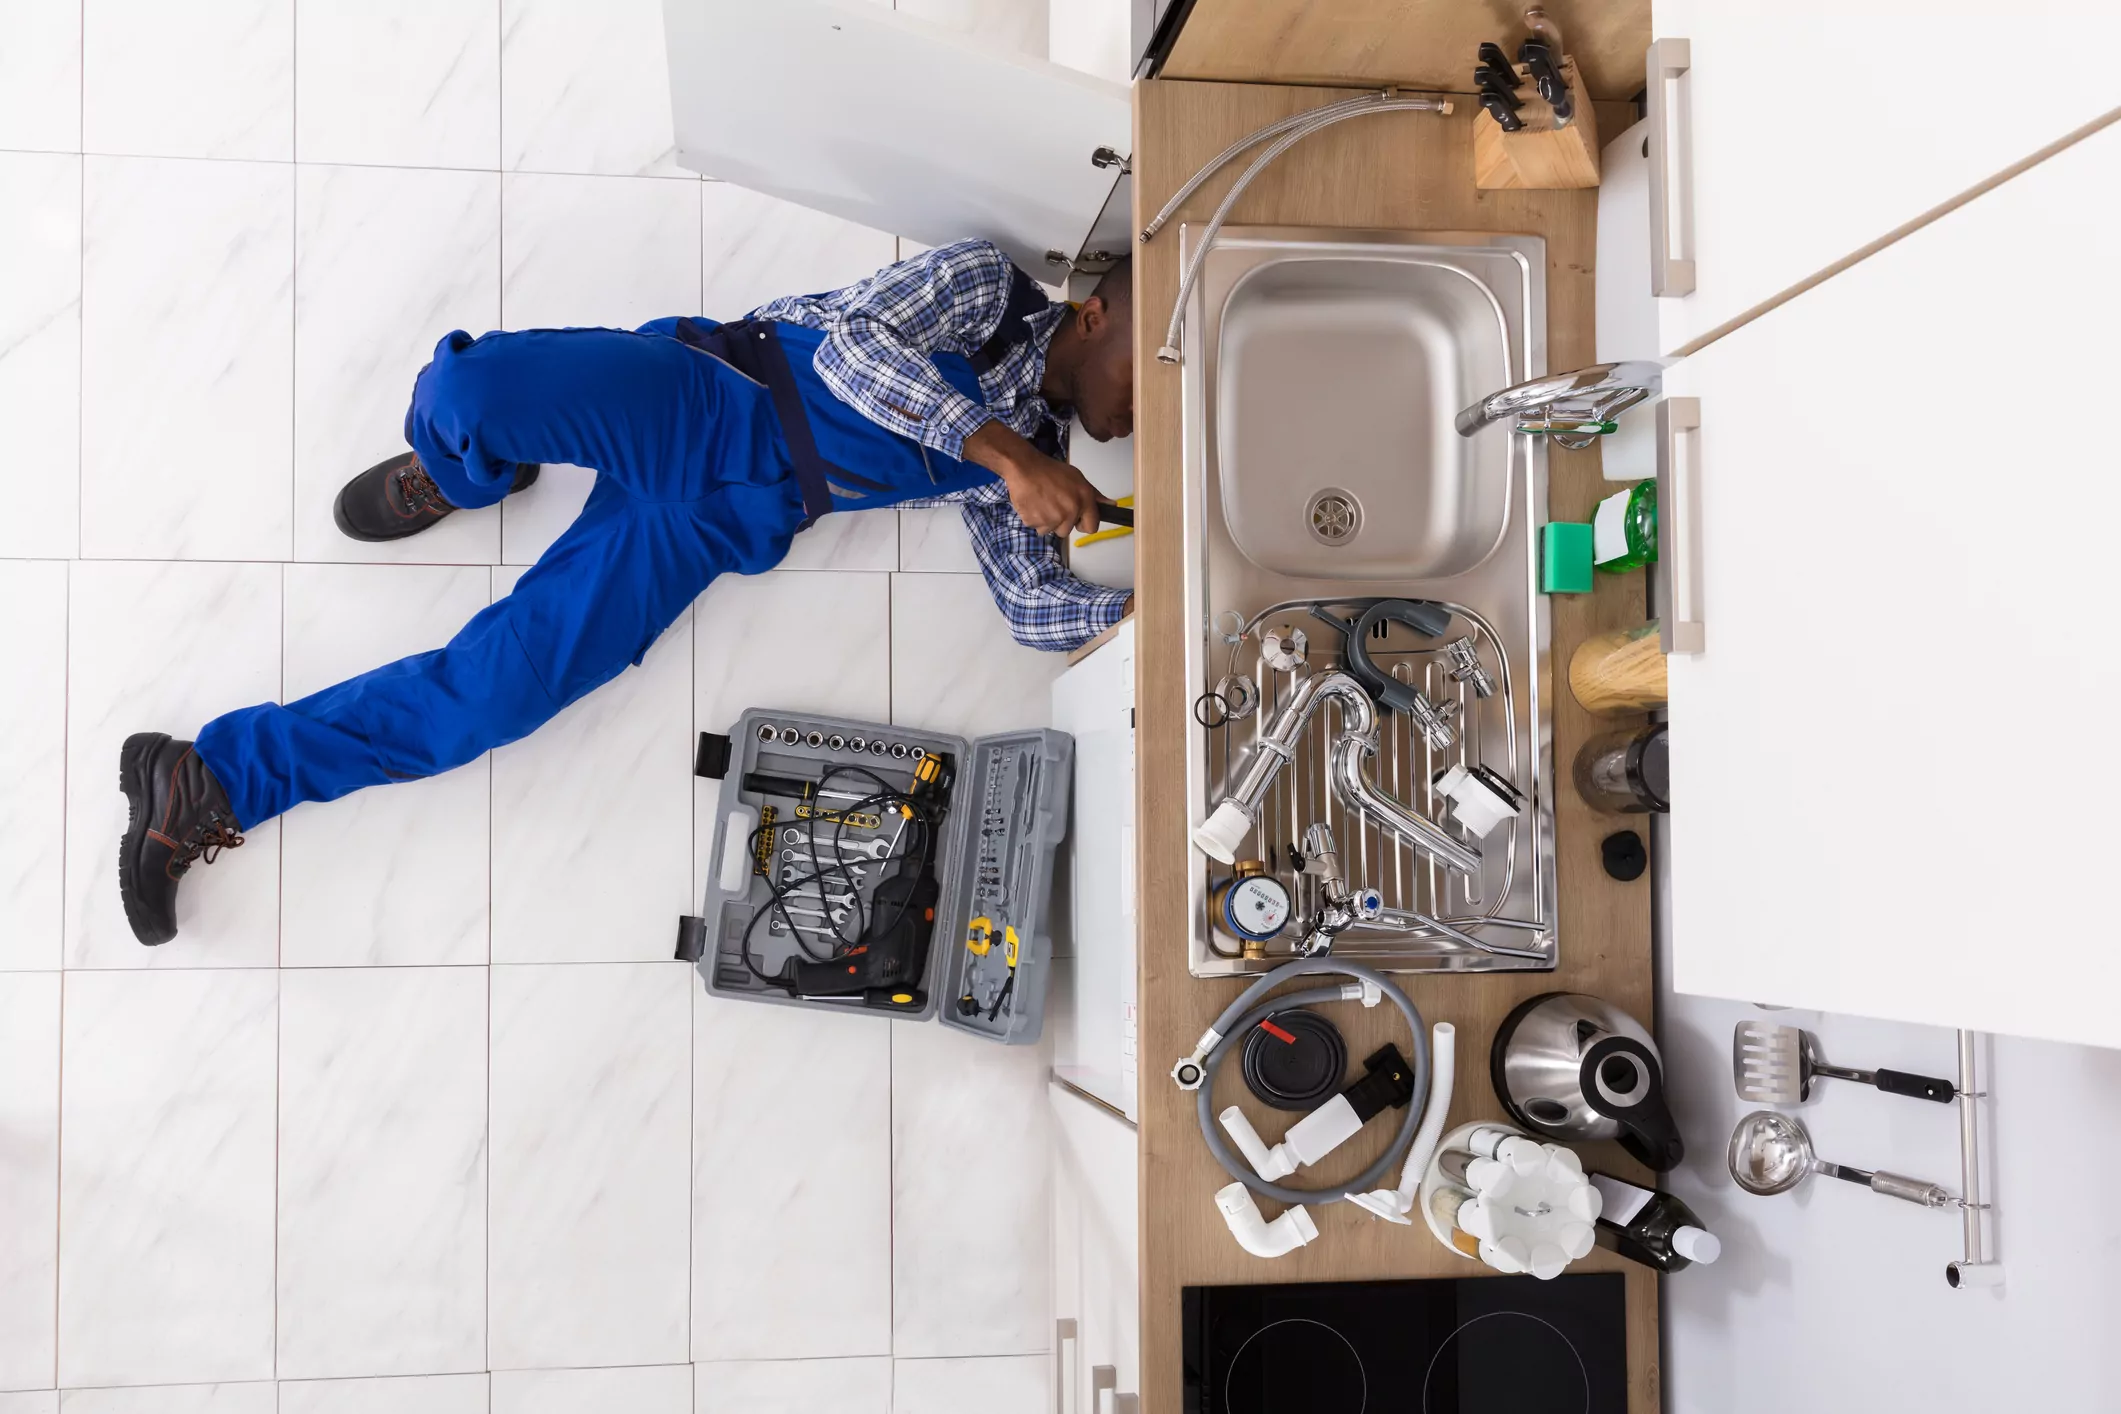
<point>1624,529</point>
<point>1650,1226</point>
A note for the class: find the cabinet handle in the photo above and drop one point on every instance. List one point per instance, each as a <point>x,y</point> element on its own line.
<point>1679,525</point>
<point>1104,1380</point>
<point>1063,1336</point>
<point>1666,61</point>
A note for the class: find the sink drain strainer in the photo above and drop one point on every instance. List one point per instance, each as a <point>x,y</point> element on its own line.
<point>1335,517</point>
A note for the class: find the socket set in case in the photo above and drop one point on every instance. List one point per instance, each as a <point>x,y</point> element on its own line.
<point>800,818</point>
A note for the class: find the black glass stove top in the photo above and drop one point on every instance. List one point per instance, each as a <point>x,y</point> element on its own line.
<point>1496,1345</point>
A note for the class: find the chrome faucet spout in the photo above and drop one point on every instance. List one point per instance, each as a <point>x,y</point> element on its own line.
<point>1570,407</point>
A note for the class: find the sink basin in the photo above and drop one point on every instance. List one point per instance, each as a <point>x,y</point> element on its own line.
<point>1337,376</point>
<point>1322,372</point>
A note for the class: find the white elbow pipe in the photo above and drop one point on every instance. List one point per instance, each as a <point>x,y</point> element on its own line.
<point>1393,1204</point>
<point>1269,1164</point>
<point>1293,1229</point>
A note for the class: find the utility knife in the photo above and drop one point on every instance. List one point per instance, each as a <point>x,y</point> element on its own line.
<point>1501,109</point>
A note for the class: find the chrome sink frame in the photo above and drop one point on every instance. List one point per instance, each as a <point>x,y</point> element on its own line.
<point>1511,906</point>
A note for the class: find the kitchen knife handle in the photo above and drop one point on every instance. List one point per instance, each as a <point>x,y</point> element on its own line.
<point>1671,222</point>
<point>1920,1087</point>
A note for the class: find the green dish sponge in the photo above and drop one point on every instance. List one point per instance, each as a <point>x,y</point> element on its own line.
<point>1565,558</point>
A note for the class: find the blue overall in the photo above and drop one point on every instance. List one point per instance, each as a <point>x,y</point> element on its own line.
<point>713,445</point>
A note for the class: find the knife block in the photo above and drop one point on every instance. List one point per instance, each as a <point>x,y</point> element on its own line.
<point>1540,157</point>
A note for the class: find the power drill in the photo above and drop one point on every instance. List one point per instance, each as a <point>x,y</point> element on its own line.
<point>886,964</point>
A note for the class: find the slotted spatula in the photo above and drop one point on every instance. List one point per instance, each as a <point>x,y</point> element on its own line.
<point>1775,1065</point>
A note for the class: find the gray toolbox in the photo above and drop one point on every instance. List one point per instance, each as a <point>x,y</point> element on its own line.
<point>796,816</point>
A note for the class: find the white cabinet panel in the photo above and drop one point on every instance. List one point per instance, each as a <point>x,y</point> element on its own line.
<point>1906,518</point>
<point>893,123</point>
<point>1806,129</point>
<point>1094,1041</point>
<point>1096,1254</point>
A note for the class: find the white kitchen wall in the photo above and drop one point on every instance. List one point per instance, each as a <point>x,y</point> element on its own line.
<point>417,1114</point>
<point>1833,1298</point>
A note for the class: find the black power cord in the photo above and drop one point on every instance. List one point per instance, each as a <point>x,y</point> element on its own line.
<point>919,824</point>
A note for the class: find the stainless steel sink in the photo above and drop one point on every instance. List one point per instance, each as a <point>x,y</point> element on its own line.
<point>1323,371</point>
<point>1337,373</point>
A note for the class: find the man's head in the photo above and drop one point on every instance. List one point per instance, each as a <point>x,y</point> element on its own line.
<point>1091,361</point>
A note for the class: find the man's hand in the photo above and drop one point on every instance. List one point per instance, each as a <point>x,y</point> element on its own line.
<point>1050,496</point>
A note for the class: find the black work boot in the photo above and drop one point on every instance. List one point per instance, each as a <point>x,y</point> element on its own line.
<point>178,815</point>
<point>397,498</point>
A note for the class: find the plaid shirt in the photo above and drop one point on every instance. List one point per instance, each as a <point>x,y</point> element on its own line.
<point>879,334</point>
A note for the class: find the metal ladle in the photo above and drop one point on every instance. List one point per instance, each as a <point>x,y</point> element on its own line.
<point>1771,1153</point>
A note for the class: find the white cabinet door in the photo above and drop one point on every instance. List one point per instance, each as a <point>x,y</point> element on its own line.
<point>1094,703</point>
<point>1803,130</point>
<point>1894,780</point>
<point>1097,1255</point>
<point>894,123</point>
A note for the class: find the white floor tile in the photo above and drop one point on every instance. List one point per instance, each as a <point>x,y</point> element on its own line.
<point>387,261</point>
<point>933,540</point>
<point>590,252</point>
<point>40,1401</point>
<point>410,83</point>
<point>585,88</point>
<point>968,1118</point>
<point>186,357</point>
<point>396,873</point>
<point>166,1177</point>
<point>40,76</point>
<point>745,656</point>
<point>954,667</point>
<point>382,1256</point>
<point>165,647</point>
<point>189,80</point>
<point>781,1096</point>
<point>416,1394</point>
<point>592,835</point>
<point>32,762</point>
<point>755,248</point>
<point>847,540</point>
<point>1012,1384</point>
<point>29,1175</point>
<point>630,1389</point>
<point>589,1209</point>
<point>606,252</point>
<point>40,346</point>
<point>792,1387</point>
<point>252,1397</point>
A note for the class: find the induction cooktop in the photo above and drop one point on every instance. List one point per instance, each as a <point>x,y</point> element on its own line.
<point>1497,1345</point>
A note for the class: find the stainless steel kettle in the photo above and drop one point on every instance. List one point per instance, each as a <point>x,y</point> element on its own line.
<point>1573,1067</point>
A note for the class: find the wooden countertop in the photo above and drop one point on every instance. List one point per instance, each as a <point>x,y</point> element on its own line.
<point>1408,171</point>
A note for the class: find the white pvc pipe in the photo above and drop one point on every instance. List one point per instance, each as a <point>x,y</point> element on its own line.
<point>1269,1164</point>
<point>1393,1204</point>
<point>1293,1229</point>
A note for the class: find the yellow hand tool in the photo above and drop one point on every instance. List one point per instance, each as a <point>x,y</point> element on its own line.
<point>1110,532</point>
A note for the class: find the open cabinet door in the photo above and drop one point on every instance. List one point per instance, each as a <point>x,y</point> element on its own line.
<point>886,120</point>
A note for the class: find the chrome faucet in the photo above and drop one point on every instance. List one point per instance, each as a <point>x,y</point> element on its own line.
<point>1339,906</point>
<point>1572,408</point>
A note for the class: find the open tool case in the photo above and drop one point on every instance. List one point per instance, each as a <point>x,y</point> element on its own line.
<point>1006,814</point>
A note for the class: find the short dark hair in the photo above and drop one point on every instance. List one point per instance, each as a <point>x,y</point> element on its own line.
<point>1116,286</point>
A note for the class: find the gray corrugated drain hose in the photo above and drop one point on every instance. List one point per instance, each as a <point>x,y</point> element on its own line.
<point>1243,1014</point>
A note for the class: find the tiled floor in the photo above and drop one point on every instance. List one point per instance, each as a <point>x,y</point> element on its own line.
<point>415,1115</point>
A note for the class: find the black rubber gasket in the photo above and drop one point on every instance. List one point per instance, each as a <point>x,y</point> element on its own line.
<point>1297,1075</point>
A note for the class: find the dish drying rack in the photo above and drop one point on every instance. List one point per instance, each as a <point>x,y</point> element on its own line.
<point>1471,926</point>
